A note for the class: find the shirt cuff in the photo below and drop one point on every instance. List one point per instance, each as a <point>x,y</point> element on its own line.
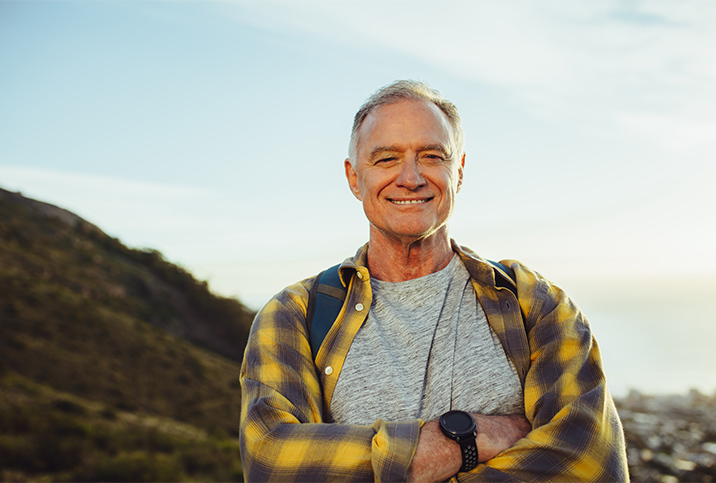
<point>393,448</point>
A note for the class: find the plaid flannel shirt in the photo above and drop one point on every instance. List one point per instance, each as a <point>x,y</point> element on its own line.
<point>576,435</point>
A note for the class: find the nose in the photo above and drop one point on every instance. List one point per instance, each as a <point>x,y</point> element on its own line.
<point>410,176</point>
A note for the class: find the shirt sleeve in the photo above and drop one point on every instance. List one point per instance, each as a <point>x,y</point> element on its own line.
<point>283,433</point>
<point>577,434</point>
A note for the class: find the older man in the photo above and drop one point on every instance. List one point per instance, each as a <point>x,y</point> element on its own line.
<point>439,363</point>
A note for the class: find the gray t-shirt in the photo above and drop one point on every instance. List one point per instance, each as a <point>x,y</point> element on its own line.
<point>425,348</point>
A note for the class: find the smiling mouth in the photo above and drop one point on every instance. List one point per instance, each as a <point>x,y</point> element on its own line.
<point>410,202</point>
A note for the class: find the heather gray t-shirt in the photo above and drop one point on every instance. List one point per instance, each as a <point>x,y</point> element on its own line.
<point>425,348</point>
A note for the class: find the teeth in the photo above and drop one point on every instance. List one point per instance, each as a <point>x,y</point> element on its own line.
<point>408,202</point>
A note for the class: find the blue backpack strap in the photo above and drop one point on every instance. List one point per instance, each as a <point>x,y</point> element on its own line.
<point>325,300</point>
<point>504,277</point>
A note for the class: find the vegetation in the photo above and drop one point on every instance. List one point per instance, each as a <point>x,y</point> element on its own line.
<point>49,435</point>
<point>96,341</point>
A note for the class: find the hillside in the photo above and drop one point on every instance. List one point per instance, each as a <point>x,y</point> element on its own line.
<point>95,336</point>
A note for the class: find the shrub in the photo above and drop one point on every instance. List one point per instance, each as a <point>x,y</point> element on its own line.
<point>133,466</point>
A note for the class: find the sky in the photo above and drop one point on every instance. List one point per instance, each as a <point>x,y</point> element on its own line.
<point>216,131</point>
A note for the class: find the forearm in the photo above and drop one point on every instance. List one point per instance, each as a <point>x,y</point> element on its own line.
<point>495,434</point>
<point>293,451</point>
<point>329,452</point>
<point>278,445</point>
<point>437,458</point>
<point>575,446</point>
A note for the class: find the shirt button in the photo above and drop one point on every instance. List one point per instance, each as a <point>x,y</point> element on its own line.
<point>329,370</point>
<point>359,307</point>
<point>360,275</point>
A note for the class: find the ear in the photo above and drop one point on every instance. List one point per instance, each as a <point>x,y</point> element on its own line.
<point>352,178</point>
<point>460,172</point>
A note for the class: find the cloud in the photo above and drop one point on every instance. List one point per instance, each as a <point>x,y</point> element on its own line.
<point>615,63</point>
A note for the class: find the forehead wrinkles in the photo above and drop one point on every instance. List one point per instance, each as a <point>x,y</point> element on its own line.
<point>434,139</point>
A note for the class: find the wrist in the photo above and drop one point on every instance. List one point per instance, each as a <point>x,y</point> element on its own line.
<point>436,458</point>
<point>460,427</point>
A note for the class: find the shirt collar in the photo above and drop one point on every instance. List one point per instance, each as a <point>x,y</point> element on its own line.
<point>356,263</point>
<point>478,268</point>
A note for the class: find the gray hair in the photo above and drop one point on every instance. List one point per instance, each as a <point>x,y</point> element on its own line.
<point>409,90</point>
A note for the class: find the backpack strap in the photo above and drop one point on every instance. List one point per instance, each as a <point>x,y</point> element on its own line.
<point>324,303</point>
<point>504,277</point>
<point>328,294</point>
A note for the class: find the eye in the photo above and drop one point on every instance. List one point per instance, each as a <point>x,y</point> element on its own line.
<point>385,160</point>
<point>434,157</point>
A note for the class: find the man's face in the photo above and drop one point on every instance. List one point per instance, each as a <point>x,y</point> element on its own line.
<point>406,171</point>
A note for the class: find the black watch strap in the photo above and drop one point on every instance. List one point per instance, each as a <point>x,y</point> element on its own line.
<point>469,454</point>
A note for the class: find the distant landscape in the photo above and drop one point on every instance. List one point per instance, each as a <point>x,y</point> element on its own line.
<point>117,365</point>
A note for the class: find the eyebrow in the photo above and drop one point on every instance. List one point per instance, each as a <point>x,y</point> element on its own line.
<point>394,149</point>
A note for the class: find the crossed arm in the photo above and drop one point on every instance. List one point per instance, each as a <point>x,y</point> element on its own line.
<point>570,430</point>
<point>277,446</point>
<point>437,458</point>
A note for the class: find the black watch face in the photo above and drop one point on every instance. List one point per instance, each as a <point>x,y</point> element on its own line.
<point>458,421</point>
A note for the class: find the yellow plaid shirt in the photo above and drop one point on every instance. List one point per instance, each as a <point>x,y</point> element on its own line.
<point>576,435</point>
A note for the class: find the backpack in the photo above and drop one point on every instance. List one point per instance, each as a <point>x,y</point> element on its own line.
<point>327,295</point>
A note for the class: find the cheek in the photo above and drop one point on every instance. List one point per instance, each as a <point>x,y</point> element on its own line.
<point>455,181</point>
<point>447,182</point>
<point>371,186</point>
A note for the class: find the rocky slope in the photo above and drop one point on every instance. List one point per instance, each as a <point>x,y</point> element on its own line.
<point>670,438</point>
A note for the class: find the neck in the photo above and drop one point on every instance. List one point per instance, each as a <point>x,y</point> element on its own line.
<point>395,260</point>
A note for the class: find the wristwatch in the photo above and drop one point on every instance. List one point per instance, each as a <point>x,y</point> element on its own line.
<point>460,427</point>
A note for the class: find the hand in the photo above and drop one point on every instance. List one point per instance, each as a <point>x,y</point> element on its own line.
<point>437,457</point>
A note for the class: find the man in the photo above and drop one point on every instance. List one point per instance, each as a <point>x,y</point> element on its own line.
<point>433,368</point>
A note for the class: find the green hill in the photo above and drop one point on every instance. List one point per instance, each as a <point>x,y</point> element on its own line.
<point>114,363</point>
